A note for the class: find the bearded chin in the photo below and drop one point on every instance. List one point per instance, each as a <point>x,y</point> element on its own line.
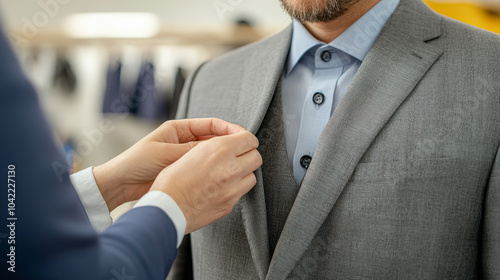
<point>316,10</point>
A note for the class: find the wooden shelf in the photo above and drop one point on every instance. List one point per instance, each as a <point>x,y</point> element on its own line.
<point>229,36</point>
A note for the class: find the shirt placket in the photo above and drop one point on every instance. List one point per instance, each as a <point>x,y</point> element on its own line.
<point>317,107</point>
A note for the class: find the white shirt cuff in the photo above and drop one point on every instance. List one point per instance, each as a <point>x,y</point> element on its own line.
<point>92,200</point>
<point>169,206</point>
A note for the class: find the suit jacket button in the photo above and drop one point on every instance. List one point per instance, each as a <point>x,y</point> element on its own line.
<point>305,161</point>
<point>318,98</point>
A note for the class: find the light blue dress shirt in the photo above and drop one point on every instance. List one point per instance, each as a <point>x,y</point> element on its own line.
<point>316,77</point>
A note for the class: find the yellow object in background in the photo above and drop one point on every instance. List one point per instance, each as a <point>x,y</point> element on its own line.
<point>468,13</point>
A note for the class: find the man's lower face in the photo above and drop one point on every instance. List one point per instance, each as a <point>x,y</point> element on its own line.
<point>316,10</point>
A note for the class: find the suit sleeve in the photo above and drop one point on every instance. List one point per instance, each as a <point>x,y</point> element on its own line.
<point>49,235</point>
<point>491,225</point>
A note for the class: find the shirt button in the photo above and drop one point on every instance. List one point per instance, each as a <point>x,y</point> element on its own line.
<point>326,56</point>
<point>318,98</point>
<point>305,161</point>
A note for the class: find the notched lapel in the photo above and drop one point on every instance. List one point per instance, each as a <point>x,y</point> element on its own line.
<point>261,76</point>
<point>265,67</point>
<point>391,70</point>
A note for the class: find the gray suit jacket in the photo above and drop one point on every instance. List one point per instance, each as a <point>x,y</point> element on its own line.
<point>405,182</point>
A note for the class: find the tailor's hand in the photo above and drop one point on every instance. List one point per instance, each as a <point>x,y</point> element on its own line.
<point>130,175</point>
<point>209,180</point>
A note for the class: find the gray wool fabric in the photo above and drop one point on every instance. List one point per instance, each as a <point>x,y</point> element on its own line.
<point>280,187</point>
<point>405,181</point>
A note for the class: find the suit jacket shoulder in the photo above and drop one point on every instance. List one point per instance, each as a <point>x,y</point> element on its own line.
<point>470,42</point>
<point>470,55</point>
<point>230,67</point>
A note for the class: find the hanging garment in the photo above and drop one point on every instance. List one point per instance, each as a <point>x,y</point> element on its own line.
<point>113,97</point>
<point>64,76</point>
<point>146,103</point>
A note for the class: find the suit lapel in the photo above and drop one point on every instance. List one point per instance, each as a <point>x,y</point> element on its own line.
<point>393,67</point>
<point>265,67</point>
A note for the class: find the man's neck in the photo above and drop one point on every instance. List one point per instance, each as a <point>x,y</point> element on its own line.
<point>329,31</point>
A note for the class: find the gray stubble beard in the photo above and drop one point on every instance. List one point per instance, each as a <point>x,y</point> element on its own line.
<point>319,12</point>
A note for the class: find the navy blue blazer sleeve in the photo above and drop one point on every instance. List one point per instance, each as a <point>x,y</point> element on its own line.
<point>51,236</point>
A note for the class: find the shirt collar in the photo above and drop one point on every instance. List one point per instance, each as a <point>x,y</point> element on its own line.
<point>355,41</point>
